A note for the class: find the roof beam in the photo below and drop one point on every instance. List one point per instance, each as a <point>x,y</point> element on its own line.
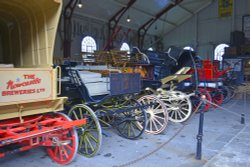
<point>113,22</point>
<point>183,8</point>
<point>197,11</point>
<point>144,28</point>
<point>143,12</point>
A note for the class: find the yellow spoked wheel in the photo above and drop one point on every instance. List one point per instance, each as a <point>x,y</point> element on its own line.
<point>157,114</point>
<point>90,135</point>
<point>178,105</point>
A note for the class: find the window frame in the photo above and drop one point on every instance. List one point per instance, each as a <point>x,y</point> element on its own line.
<point>85,46</point>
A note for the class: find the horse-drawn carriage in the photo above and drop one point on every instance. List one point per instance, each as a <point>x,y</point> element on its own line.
<point>164,71</point>
<point>172,104</point>
<point>110,95</point>
<point>210,83</point>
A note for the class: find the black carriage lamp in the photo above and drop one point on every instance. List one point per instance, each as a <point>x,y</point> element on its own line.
<point>128,19</point>
<point>79,4</point>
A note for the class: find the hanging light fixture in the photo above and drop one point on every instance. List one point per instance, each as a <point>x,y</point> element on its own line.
<point>79,4</point>
<point>128,19</point>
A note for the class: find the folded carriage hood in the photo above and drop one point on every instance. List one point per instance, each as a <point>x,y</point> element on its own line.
<point>27,31</point>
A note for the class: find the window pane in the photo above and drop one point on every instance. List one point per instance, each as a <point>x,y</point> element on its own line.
<point>88,44</point>
<point>125,47</point>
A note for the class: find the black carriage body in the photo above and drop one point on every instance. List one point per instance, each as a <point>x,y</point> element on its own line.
<point>118,84</point>
<point>165,64</point>
<point>114,107</point>
<point>124,83</point>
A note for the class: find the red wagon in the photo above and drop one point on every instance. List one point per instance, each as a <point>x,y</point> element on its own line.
<point>210,82</point>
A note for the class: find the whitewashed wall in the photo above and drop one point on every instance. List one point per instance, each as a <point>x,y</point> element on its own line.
<point>96,28</point>
<point>205,29</point>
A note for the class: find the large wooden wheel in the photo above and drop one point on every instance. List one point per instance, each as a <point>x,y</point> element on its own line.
<point>65,144</point>
<point>130,120</point>
<point>196,100</point>
<point>105,118</point>
<point>217,97</point>
<point>156,112</point>
<point>227,94</point>
<point>90,135</point>
<point>178,105</point>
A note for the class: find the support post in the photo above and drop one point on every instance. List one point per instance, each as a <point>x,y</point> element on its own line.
<point>67,28</point>
<point>242,120</point>
<point>200,130</point>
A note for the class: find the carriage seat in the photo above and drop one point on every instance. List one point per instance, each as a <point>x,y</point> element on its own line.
<point>95,83</point>
<point>179,76</point>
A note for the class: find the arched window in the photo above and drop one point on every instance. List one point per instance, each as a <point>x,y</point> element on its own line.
<point>150,49</point>
<point>219,51</point>
<point>188,48</point>
<point>125,47</point>
<point>88,44</point>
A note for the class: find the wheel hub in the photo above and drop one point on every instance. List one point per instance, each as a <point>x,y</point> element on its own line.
<point>175,106</point>
<point>57,142</point>
<point>151,114</point>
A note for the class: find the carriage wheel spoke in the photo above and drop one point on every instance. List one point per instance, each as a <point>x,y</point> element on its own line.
<point>175,115</point>
<point>81,113</point>
<point>86,145</point>
<point>179,114</point>
<point>158,121</point>
<point>159,111</point>
<point>159,105</point>
<point>150,125</point>
<point>69,147</point>
<point>159,117</point>
<point>92,137</point>
<point>65,153</point>
<point>183,113</point>
<point>172,113</point>
<point>60,153</point>
<point>156,127</point>
<point>133,129</point>
<point>90,144</point>
<point>56,151</point>
<point>76,117</point>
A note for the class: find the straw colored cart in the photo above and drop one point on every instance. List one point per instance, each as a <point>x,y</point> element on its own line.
<point>29,85</point>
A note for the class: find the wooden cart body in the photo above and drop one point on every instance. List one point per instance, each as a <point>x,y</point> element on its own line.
<point>29,83</point>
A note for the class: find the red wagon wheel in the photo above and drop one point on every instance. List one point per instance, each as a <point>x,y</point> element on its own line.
<point>196,100</point>
<point>65,143</point>
<point>217,97</point>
